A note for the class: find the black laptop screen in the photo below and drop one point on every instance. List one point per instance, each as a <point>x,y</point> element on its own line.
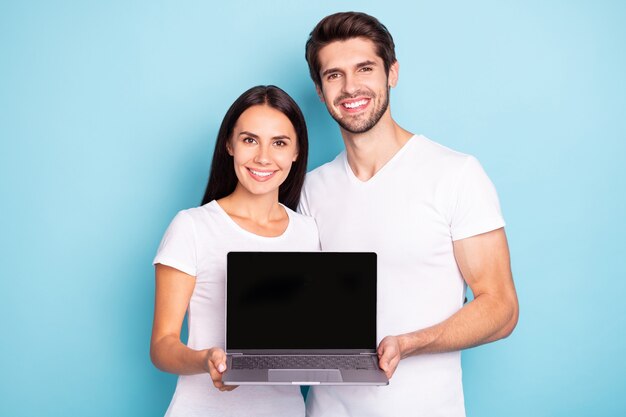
<point>301,300</point>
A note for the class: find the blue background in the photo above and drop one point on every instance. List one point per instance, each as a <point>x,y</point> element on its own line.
<point>108,116</point>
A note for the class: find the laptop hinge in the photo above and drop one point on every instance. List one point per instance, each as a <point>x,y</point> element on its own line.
<point>368,353</point>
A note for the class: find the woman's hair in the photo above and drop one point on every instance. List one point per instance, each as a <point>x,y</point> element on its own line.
<point>343,26</point>
<point>222,179</point>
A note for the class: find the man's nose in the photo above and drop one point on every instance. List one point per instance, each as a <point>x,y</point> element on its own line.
<point>350,84</point>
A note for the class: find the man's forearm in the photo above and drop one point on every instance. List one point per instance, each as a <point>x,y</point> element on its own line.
<point>485,319</point>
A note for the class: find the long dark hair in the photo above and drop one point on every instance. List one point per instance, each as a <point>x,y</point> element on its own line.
<point>222,179</point>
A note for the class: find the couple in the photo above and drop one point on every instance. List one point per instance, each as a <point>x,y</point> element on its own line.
<point>431,214</point>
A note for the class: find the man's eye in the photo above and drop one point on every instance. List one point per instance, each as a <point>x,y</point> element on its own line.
<point>332,76</point>
<point>366,69</point>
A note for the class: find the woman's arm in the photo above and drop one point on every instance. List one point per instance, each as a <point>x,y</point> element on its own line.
<point>168,353</point>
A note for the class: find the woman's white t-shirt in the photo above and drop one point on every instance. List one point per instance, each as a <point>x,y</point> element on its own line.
<point>196,243</point>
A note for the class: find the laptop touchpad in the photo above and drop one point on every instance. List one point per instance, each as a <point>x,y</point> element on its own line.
<point>304,375</point>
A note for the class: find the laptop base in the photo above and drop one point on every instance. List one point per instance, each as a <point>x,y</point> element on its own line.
<point>304,377</point>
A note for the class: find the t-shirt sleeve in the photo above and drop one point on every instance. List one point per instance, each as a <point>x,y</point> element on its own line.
<point>178,246</point>
<point>477,207</point>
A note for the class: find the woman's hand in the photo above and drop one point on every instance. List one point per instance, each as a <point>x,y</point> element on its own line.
<point>216,366</point>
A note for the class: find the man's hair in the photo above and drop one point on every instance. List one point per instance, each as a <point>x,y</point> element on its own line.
<point>343,26</point>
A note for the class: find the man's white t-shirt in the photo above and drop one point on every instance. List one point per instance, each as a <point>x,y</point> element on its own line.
<point>196,242</point>
<point>409,213</point>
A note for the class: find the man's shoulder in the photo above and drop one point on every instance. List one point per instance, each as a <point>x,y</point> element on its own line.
<point>300,218</point>
<point>329,168</point>
<point>438,162</point>
<point>432,149</point>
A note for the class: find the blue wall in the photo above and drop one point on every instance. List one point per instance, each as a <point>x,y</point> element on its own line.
<point>108,114</point>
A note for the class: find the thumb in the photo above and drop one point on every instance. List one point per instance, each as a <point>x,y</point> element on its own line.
<point>218,358</point>
<point>382,360</point>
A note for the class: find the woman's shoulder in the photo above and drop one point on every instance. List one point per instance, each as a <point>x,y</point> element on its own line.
<point>200,212</point>
<point>191,218</point>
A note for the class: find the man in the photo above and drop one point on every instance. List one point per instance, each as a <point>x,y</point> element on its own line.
<point>430,213</point>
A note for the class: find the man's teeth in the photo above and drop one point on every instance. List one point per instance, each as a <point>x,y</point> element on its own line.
<point>355,104</point>
<point>261,174</point>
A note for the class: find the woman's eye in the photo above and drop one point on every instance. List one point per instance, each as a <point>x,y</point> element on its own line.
<point>280,143</point>
<point>248,140</point>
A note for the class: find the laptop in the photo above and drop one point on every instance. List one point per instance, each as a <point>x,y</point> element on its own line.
<point>301,318</point>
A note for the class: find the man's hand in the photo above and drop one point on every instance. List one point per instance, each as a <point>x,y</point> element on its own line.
<point>216,366</point>
<point>389,354</point>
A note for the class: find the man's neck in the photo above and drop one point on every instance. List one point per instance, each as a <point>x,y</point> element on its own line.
<point>368,152</point>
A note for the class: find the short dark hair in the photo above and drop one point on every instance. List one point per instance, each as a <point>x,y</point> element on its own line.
<point>222,178</point>
<point>343,26</point>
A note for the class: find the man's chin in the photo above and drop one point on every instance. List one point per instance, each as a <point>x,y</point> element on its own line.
<point>355,128</point>
<point>360,125</point>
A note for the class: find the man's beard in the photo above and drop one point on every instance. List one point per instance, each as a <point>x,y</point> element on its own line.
<point>361,126</point>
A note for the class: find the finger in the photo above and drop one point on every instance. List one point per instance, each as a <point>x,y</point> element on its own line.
<point>384,365</point>
<point>216,376</point>
<point>382,359</point>
<point>393,365</point>
<point>388,368</point>
<point>382,347</point>
<point>386,357</point>
<point>217,379</point>
<point>388,362</point>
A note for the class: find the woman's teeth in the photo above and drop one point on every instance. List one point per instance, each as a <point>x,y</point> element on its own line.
<point>262,174</point>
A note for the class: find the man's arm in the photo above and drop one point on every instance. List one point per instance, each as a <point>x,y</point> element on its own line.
<point>484,262</point>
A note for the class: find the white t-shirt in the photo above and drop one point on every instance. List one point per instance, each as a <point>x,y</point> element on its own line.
<point>196,242</point>
<point>409,213</point>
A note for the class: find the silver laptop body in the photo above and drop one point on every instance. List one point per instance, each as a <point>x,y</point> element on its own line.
<point>301,318</point>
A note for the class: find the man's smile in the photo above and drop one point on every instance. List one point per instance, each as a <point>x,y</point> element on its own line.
<point>356,104</point>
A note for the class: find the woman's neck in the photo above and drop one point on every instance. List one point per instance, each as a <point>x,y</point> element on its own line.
<point>262,215</point>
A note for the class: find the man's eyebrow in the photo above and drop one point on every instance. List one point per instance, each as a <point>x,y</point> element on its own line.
<point>367,63</point>
<point>330,71</point>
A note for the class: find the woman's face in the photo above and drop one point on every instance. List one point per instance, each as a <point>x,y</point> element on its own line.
<point>263,146</point>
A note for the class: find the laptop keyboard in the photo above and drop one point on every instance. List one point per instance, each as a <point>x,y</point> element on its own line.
<point>303,362</point>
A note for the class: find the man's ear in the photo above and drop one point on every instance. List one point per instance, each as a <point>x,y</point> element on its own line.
<point>320,94</point>
<point>394,73</point>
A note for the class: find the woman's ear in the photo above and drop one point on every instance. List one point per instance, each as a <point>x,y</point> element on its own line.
<point>229,148</point>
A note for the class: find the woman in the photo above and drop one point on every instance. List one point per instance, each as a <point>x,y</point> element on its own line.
<point>258,169</point>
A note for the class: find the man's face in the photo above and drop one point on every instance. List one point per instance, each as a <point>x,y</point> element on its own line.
<point>355,86</point>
